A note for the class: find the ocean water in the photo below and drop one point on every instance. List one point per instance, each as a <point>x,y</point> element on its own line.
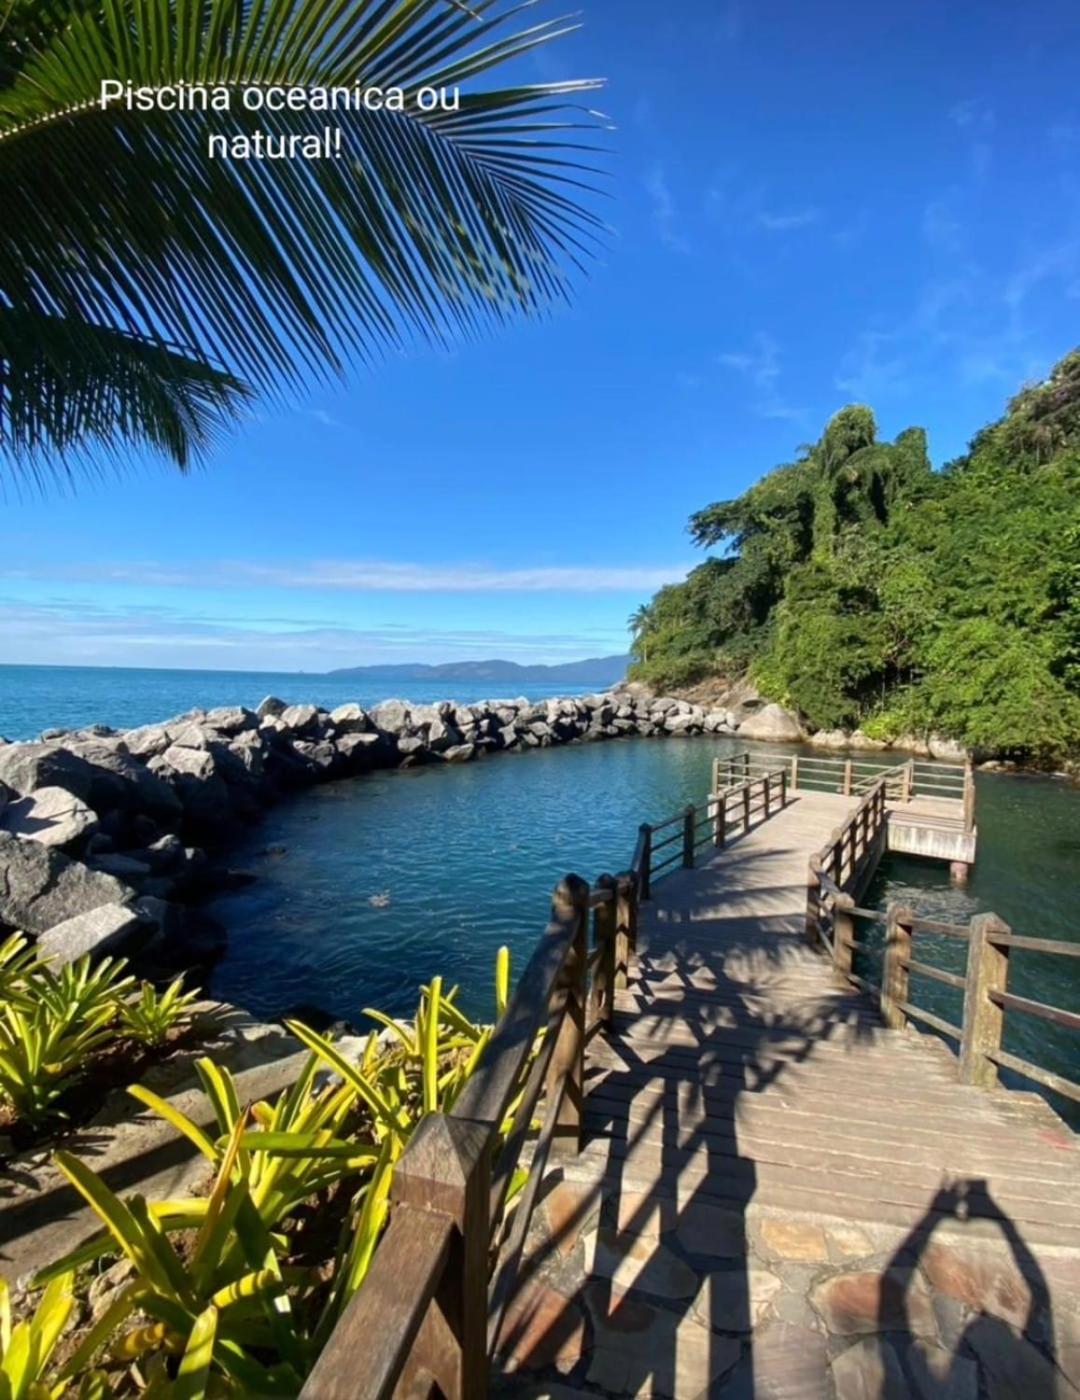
<point>368,887</point>
<point>33,698</point>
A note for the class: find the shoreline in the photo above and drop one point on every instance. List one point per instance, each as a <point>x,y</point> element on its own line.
<point>106,836</point>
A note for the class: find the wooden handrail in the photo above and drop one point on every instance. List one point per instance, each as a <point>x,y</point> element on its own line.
<point>832,917</point>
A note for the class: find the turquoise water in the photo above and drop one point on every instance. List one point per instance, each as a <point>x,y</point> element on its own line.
<point>33,698</point>
<point>366,888</point>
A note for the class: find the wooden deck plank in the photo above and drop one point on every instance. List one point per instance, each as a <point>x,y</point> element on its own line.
<point>741,1082</point>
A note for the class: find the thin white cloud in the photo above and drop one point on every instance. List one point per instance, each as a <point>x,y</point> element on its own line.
<point>760,366</point>
<point>325,419</point>
<point>91,634</point>
<point>665,215</point>
<point>785,222</point>
<point>364,576</point>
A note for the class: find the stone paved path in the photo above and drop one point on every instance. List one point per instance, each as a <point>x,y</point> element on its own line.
<point>780,1198</point>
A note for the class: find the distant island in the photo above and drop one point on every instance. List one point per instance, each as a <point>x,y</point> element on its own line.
<point>597,671</point>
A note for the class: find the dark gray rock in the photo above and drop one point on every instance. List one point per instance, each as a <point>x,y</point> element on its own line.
<point>301,719</point>
<point>232,720</point>
<point>41,887</point>
<point>110,928</point>
<point>179,759</point>
<point>27,767</point>
<point>117,780</point>
<point>51,815</point>
<point>148,741</point>
<point>350,719</point>
<point>125,867</point>
<point>391,717</point>
<point>269,707</point>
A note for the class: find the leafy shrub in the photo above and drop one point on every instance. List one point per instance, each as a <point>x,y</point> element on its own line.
<point>151,1015</point>
<point>216,1303</point>
<point>26,1350</point>
<point>41,1054</point>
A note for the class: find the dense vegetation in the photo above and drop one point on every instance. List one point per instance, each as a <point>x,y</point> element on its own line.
<point>863,588</point>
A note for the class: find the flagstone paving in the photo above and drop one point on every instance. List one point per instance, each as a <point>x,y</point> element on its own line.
<point>780,1198</point>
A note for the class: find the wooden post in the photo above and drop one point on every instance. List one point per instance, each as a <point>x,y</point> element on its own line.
<point>688,838</point>
<point>768,796</point>
<point>645,874</point>
<point>813,905</point>
<point>571,900</point>
<point>783,788</point>
<point>716,785</point>
<point>843,936</point>
<point>446,1170</point>
<point>794,772</point>
<point>896,974</point>
<point>987,971</point>
<point>626,890</point>
<point>847,777</point>
<point>605,923</point>
<point>969,795</point>
<point>907,775</point>
<point>720,821</point>
<point>746,806</point>
<point>746,764</point>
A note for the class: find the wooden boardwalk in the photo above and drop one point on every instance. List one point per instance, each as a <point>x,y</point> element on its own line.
<point>779,1197</point>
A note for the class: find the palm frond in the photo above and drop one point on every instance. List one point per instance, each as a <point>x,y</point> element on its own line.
<point>62,382</point>
<point>433,223</point>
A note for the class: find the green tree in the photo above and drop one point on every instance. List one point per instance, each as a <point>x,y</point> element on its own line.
<point>865,589</point>
<point>147,289</point>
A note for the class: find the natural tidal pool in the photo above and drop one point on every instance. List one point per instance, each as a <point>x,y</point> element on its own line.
<point>368,887</point>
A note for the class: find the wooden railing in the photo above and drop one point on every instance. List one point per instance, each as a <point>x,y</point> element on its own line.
<point>853,777</point>
<point>983,985</point>
<point>729,811</point>
<point>430,1312</point>
<point>844,865</point>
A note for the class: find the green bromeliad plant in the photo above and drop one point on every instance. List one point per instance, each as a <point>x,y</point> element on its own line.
<point>224,1295</point>
<point>53,1022</point>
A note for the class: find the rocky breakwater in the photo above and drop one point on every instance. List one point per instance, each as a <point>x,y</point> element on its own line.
<point>105,835</point>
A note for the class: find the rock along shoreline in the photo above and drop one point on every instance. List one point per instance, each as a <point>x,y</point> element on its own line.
<point>105,834</point>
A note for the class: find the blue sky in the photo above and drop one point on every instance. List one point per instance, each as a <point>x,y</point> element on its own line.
<point>812,204</point>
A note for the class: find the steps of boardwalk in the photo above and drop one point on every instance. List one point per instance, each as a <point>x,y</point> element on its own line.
<point>778,1196</point>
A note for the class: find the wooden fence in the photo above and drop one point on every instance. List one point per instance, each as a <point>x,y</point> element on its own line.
<point>729,811</point>
<point>847,861</point>
<point>983,986</point>
<point>853,777</point>
<point>429,1315</point>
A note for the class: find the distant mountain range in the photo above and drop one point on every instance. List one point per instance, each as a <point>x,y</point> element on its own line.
<point>597,671</point>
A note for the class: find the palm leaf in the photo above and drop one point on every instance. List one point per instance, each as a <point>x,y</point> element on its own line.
<point>433,223</point>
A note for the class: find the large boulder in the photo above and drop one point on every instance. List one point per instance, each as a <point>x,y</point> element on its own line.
<point>391,717</point>
<point>27,767</point>
<point>830,739</point>
<point>773,724</point>
<point>350,719</point>
<point>51,815</point>
<point>41,887</point>
<point>302,719</point>
<point>946,750</point>
<point>123,783</point>
<point>107,929</point>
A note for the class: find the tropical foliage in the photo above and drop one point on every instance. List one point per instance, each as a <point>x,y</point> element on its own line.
<point>863,588</point>
<point>147,289</point>
<point>53,1023</point>
<point>231,1293</point>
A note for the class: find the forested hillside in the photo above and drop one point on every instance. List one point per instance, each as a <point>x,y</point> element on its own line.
<point>864,589</point>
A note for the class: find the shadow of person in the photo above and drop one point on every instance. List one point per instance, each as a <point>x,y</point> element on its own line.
<point>1001,1341</point>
